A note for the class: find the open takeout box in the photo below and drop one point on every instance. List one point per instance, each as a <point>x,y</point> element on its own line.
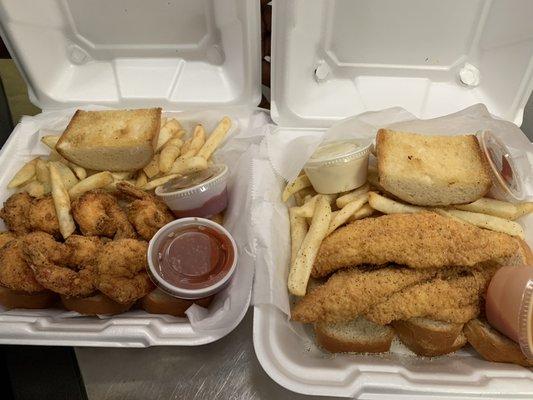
<point>335,59</point>
<point>176,54</point>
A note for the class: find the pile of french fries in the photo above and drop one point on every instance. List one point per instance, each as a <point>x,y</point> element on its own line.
<point>175,155</point>
<point>315,216</point>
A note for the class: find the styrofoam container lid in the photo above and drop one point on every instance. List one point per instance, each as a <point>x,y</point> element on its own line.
<point>175,54</point>
<point>334,59</point>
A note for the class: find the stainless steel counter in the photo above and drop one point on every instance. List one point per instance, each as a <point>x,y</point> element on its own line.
<point>227,369</point>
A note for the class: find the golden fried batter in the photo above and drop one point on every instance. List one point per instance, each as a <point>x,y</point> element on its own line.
<point>147,213</point>
<point>349,293</point>
<point>14,271</point>
<point>425,240</point>
<point>446,298</point>
<point>6,237</point>
<point>15,213</point>
<point>42,216</point>
<point>122,272</point>
<point>52,261</point>
<point>98,214</point>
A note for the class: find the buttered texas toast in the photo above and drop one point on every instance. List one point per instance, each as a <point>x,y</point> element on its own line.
<point>432,170</point>
<point>114,140</point>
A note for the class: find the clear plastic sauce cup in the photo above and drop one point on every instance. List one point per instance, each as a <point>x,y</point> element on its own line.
<point>339,166</point>
<point>202,194</point>
<point>192,258</point>
<point>507,183</point>
<point>509,305</point>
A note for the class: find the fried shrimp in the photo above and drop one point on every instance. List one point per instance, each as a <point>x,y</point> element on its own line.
<point>65,268</point>
<point>15,273</point>
<point>42,216</point>
<point>6,237</point>
<point>99,214</point>
<point>147,213</point>
<point>122,272</point>
<point>15,213</point>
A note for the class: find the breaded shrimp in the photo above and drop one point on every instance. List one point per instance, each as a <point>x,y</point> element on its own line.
<point>65,268</point>
<point>42,216</point>
<point>122,272</point>
<point>15,213</point>
<point>147,213</point>
<point>15,273</point>
<point>98,214</point>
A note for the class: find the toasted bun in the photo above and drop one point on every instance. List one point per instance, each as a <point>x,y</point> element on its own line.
<point>430,338</point>
<point>98,304</point>
<point>158,302</point>
<point>357,336</point>
<point>15,299</point>
<point>492,345</point>
<point>432,170</point>
<point>117,140</point>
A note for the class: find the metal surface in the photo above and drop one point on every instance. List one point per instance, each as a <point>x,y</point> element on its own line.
<point>226,369</point>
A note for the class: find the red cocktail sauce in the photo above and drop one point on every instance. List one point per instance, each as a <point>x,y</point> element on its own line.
<point>195,257</point>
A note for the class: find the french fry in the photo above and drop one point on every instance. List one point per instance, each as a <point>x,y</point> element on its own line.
<point>389,206</point>
<point>36,189</point>
<point>95,181</point>
<point>152,168</point>
<point>80,172</point>
<point>216,137</point>
<point>61,202</point>
<point>299,183</point>
<point>308,208</point>
<point>50,140</point>
<point>186,146</point>
<point>141,180</point>
<point>23,175</point>
<point>301,195</point>
<point>198,140</point>
<point>68,177</point>
<point>363,212</point>
<point>298,231</point>
<point>347,211</point>
<point>170,151</point>
<point>301,268</point>
<point>485,221</point>
<point>493,207</point>
<point>188,165</point>
<point>523,209</point>
<point>167,131</point>
<point>121,176</point>
<point>354,194</point>
<point>42,173</point>
<point>159,181</point>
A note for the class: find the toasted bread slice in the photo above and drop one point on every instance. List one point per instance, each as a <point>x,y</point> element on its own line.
<point>357,336</point>
<point>492,345</point>
<point>158,302</point>
<point>116,140</point>
<point>432,170</point>
<point>429,338</point>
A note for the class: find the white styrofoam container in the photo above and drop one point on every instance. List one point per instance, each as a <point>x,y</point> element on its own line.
<point>332,59</point>
<point>176,54</point>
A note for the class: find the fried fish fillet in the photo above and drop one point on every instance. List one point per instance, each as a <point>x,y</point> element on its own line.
<point>452,298</point>
<point>424,240</point>
<point>349,293</point>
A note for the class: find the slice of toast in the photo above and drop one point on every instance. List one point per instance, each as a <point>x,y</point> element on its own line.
<point>430,338</point>
<point>356,336</point>
<point>432,170</point>
<point>492,345</point>
<point>114,140</point>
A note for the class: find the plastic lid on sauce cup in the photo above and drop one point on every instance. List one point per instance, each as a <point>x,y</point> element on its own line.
<point>201,194</point>
<point>192,258</point>
<point>507,182</point>
<point>509,305</point>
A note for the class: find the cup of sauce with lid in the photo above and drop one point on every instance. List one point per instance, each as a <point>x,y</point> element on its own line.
<point>509,305</point>
<point>201,194</point>
<point>192,258</point>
